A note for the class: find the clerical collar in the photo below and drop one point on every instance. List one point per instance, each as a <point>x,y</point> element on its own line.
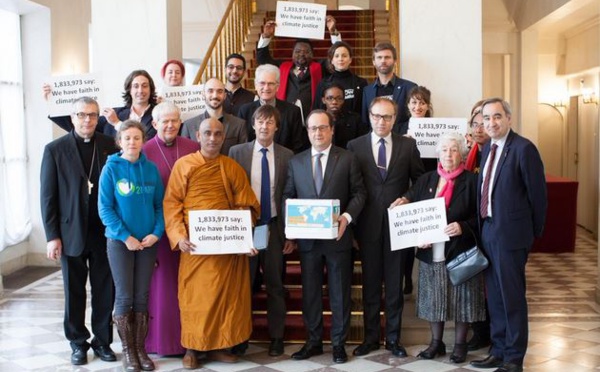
<point>164,143</point>
<point>83,140</point>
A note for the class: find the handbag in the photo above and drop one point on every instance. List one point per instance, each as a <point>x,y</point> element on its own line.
<point>466,265</point>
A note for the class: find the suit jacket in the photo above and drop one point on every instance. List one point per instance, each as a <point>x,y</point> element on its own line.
<point>291,133</point>
<point>235,130</point>
<point>401,89</point>
<point>462,209</point>
<point>64,195</point>
<point>243,155</point>
<point>343,180</point>
<point>105,127</point>
<point>518,198</point>
<point>405,166</point>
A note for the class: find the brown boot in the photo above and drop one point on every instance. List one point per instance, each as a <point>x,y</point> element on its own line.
<point>140,327</point>
<point>125,329</point>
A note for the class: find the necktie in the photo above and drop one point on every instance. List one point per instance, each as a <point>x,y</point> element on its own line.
<point>265,189</point>
<point>485,190</point>
<point>301,72</point>
<point>381,161</point>
<point>318,176</point>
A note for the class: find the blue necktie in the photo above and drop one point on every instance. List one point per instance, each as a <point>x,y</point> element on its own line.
<point>318,176</point>
<point>381,161</point>
<point>265,189</point>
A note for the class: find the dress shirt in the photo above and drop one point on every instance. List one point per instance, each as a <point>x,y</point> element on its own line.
<point>388,148</point>
<point>324,158</point>
<point>500,142</point>
<point>256,172</point>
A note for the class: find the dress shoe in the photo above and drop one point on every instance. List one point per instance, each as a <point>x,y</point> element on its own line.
<point>510,367</point>
<point>104,352</point>
<point>240,349</point>
<point>459,353</point>
<point>79,356</point>
<point>339,354</point>
<point>408,286</point>
<point>435,348</point>
<point>396,349</point>
<point>365,348</point>
<point>276,347</point>
<point>307,351</point>
<point>477,342</point>
<point>190,359</point>
<point>489,362</point>
<point>221,356</point>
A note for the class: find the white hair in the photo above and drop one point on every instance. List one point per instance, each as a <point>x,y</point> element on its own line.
<point>455,137</point>
<point>267,69</point>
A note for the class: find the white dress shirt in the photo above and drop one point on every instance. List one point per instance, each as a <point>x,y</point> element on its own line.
<point>256,172</point>
<point>500,142</point>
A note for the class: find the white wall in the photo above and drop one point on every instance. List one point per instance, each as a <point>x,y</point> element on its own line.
<point>441,48</point>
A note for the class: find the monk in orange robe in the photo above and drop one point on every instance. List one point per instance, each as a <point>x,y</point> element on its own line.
<point>214,290</point>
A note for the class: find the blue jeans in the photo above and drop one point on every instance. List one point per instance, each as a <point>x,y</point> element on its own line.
<point>132,272</point>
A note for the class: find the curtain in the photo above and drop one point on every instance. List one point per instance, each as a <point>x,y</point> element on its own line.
<point>15,221</point>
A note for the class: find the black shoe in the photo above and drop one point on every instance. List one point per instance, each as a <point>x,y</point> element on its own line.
<point>489,362</point>
<point>396,349</point>
<point>477,342</point>
<point>79,356</point>
<point>459,353</point>
<point>276,347</point>
<point>435,348</point>
<point>339,354</point>
<point>365,348</point>
<point>240,349</point>
<point>510,367</point>
<point>307,351</point>
<point>105,353</point>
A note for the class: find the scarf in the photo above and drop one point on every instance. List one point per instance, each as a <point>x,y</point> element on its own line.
<point>471,162</point>
<point>448,188</point>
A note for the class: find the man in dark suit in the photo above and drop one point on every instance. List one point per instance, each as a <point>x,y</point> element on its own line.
<point>291,133</point>
<point>512,203</point>
<point>236,95</point>
<point>301,75</point>
<point>71,167</point>
<point>214,96</point>
<point>389,162</point>
<point>250,156</point>
<point>336,175</point>
<point>388,85</point>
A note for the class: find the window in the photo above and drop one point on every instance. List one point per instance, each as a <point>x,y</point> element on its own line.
<point>15,223</point>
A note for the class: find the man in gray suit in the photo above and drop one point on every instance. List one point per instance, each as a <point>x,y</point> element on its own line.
<point>389,162</point>
<point>264,160</point>
<point>235,129</point>
<point>335,174</point>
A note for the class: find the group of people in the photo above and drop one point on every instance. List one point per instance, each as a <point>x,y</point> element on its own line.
<point>118,211</point>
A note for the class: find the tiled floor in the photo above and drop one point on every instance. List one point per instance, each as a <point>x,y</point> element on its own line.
<point>564,327</point>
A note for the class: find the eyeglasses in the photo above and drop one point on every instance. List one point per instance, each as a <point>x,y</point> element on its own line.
<point>266,84</point>
<point>334,98</point>
<point>83,115</point>
<point>476,125</point>
<point>320,128</point>
<point>234,67</point>
<point>377,117</point>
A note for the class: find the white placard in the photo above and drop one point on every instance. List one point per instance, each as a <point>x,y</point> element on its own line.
<point>66,89</point>
<point>427,131</point>
<point>303,20</point>
<point>418,223</point>
<point>188,98</point>
<point>221,231</point>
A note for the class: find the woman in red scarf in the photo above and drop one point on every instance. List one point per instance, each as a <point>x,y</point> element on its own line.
<point>437,299</point>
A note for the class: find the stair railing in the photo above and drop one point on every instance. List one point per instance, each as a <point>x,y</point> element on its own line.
<point>229,38</point>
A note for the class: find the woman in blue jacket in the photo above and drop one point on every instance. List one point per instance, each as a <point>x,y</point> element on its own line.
<point>130,206</point>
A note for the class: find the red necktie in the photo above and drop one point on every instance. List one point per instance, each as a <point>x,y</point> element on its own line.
<point>485,190</point>
<point>301,73</point>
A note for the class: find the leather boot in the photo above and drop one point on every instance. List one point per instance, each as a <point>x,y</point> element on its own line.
<point>125,329</point>
<point>140,326</point>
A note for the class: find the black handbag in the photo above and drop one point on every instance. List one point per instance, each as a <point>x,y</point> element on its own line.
<point>466,265</point>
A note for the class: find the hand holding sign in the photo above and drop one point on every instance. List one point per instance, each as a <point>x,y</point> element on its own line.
<point>418,224</point>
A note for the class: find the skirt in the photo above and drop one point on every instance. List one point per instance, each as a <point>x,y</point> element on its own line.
<point>439,301</point>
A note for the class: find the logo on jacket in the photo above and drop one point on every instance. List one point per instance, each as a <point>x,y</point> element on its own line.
<point>124,187</point>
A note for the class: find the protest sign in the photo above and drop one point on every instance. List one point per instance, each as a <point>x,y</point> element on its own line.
<point>304,20</point>
<point>427,131</point>
<point>220,231</point>
<point>189,99</point>
<point>68,88</point>
<point>418,223</point>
